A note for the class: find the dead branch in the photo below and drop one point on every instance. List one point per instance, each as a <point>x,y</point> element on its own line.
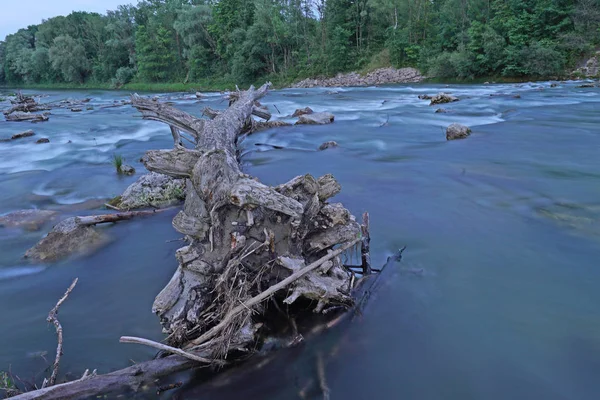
<point>365,245</point>
<point>52,317</point>
<point>268,293</point>
<point>164,347</point>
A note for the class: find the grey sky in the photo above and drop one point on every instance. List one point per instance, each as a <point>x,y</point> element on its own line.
<point>19,14</point>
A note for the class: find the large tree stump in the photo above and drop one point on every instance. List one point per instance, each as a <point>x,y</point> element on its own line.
<point>243,236</point>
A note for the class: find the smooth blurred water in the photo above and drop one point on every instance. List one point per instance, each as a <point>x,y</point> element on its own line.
<point>504,225</point>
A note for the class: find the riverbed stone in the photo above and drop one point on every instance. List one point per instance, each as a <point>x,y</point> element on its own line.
<point>152,190</point>
<point>457,131</point>
<point>21,135</point>
<point>443,98</point>
<point>302,111</point>
<point>127,170</point>
<point>328,145</point>
<point>42,140</point>
<point>320,118</point>
<point>67,238</point>
<point>30,220</point>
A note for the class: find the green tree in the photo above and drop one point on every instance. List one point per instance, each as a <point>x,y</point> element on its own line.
<point>67,55</point>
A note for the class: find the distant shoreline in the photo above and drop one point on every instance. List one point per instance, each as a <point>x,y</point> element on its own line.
<point>318,82</point>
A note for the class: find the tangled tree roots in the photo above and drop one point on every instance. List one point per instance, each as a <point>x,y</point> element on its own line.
<point>243,236</point>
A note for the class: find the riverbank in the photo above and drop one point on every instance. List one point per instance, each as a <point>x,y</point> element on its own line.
<point>380,76</point>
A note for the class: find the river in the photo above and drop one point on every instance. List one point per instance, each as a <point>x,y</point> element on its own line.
<point>496,296</point>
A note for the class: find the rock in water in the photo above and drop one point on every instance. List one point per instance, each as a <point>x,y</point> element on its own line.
<point>302,111</point>
<point>43,140</point>
<point>152,190</point>
<point>31,220</point>
<point>66,238</point>
<point>457,131</point>
<point>321,118</point>
<point>22,135</point>
<point>442,98</point>
<point>441,111</point>
<point>328,145</point>
<point>127,170</point>
<point>424,97</point>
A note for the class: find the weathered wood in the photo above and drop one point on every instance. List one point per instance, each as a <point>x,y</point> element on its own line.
<point>365,249</point>
<point>266,294</point>
<point>227,214</point>
<point>177,163</point>
<point>129,380</point>
<point>52,317</point>
<point>26,116</point>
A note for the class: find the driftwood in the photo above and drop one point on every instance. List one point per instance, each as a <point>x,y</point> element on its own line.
<point>52,317</point>
<point>26,116</point>
<point>242,234</point>
<point>247,242</point>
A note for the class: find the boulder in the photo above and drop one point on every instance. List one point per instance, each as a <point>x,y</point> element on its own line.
<point>424,97</point>
<point>442,98</point>
<point>321,118</point>
<point>66,238</point>
<point>127,170</point>
<point>553,85</point>
<point>76,109</point>
<point>302,111</point>
<point>441,111</point>
<point>586,85</point>
<point>22,135</point>
<point>328,145</point>
<point>151,190</point>
<point>43,140</point>
<point>517,96</point>
<point>30,220</point>
<point>457,131</point>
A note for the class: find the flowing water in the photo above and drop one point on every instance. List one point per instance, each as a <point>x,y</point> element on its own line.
<point>496,297</point>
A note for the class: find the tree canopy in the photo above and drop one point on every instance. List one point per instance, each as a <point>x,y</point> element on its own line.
<point>246,40</point>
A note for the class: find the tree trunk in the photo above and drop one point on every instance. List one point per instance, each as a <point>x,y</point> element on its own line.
<point>243,235</point>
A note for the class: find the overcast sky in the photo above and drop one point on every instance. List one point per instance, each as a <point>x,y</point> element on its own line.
<point>19,14</point>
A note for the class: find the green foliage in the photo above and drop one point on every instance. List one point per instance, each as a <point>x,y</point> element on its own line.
<point>171,43</point>
<point>67,56</point>
<point>117,162</point>
<point>123,76</point>
<point>7,385</point>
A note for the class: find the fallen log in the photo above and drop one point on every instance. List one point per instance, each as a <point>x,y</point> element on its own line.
<point>26,116</point>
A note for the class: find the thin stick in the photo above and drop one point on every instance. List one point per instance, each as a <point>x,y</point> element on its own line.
<point>321,374</point>
<point>267,293</point>
<point>112,207</point>
<point>59,332</point>
<point>164,347</point>
<point>365,245</point>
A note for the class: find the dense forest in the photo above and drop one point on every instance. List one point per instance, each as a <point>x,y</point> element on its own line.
<point>246,40</point>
